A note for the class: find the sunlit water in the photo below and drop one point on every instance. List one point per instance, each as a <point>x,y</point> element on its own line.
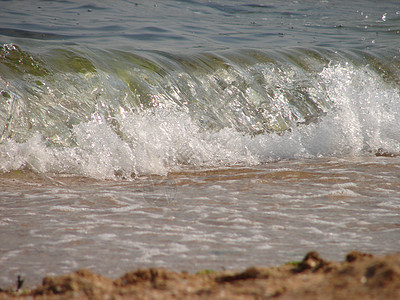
<point>196,135</point>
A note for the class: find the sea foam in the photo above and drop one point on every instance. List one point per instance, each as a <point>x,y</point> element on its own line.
<point>157,140</point>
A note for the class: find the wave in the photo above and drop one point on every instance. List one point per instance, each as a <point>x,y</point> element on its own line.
<point>115,114</point>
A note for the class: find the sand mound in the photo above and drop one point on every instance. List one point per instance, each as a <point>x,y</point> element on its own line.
<point>360,276</point>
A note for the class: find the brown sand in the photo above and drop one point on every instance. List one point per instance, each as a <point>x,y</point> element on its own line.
<point>360,276</point>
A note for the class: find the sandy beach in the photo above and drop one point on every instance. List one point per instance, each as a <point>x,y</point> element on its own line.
<point>359,276</point>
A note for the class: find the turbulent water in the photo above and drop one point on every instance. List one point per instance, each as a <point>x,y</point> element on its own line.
<point>263,118</point>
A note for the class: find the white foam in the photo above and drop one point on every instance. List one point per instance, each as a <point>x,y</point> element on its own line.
<point>364,118</point>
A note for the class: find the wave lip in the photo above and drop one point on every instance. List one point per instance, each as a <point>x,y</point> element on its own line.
<point>115,114</point>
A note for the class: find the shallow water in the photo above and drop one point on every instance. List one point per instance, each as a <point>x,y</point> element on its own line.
<point>196,134</point>
<point>224,218</point>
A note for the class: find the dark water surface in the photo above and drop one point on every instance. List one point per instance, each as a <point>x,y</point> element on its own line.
<point>182,26</point>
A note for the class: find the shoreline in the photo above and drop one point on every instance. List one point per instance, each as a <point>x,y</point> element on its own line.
<point>359,276</point>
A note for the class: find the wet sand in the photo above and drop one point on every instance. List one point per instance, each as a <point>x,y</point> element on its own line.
<point>359,276</point>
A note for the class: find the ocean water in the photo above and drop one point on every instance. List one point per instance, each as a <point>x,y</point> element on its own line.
<point>196,134</point>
